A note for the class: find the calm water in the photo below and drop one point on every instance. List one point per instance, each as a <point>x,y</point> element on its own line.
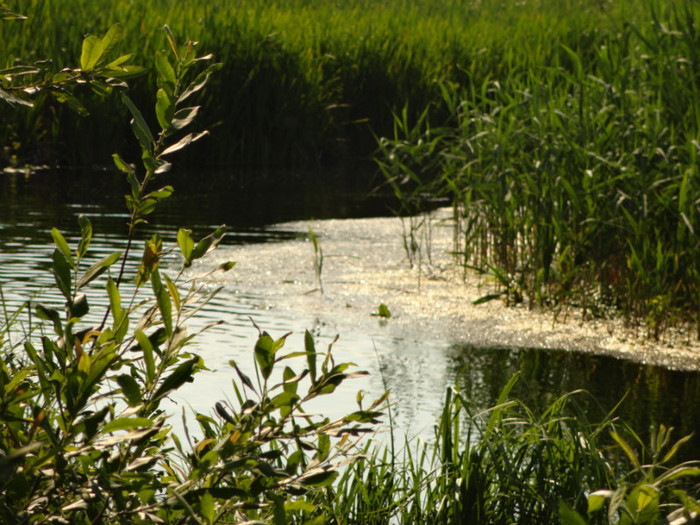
<point>416,371</point>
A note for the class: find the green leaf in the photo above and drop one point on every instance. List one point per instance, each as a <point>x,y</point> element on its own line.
<point>62,246</point>
<point>597,499</point>
<point>149,261</point>
<point>488,297</point>
<point>114,298</point>
<point>130,388</point>
<point>49,314</point>
<point>285,401</point>
<point>186,244</point>
<point>322,479</point>
<point>182,374</point>
<point>226,266</point>
<point>118,62</point>
<point>279,515</point>
<point>147,349</point>
<point>646,495</point>
<point>383,311</point>
<point>139,126</point>
<point>363,416</point>
<point>111,39</point>
<point>569,516</point>
<point>165,69</point>
<point>171,41</point>
<point>91,53</point>
<point>265,354</point>
<point>123,72</point>
<point>121,165</point>
<point>310,354</point>
<point>300,504</point>
<point>163,300</point>
<point>208,243</point>
<point>66,97</point>
<point>98,269</point>
<point>162,193</point>
<point>62,274</point>
<point>324,446</point>
<point>244,378</point>
<point>626,448</point>
<point>290,379</point>
<point>164,109</point>
<point>174,293</point>
<point>206,504</point>
<point>675,447</point>
<point>85,235</point>
<point>127,423</point>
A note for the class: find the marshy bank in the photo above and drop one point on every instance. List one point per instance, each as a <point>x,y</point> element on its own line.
<point>527,454</point>
<point>566,134</point>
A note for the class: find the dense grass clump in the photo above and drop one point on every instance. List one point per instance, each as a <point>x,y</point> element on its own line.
<point>304,83</point>
<point>512,464</point>
<point>575,179</point>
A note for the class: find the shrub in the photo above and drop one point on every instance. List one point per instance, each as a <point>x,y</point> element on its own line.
<point>84,437</point>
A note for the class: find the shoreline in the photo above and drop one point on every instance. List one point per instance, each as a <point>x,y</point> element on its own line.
<point>365,264</point>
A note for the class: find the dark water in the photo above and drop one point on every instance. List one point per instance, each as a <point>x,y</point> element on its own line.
<point>417,372</point>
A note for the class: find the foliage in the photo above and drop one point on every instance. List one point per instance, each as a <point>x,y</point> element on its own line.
<point>508,464</point>
<point>574,182</point>
<point>647,493</point>
<point>84,437</point>
<point>305,83</point>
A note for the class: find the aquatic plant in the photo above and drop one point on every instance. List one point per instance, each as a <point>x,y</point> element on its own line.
<point>574,182</point>
<point>304,83</point>
<point>511,464</point>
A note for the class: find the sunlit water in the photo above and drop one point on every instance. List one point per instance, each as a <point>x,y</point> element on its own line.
<point>274,288</point>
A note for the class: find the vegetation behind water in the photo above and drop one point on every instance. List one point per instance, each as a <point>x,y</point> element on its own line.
<point>84,436</point>
<point>575,178</point>
<point>304,82</point>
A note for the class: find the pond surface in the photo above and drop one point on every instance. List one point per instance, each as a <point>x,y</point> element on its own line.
<point>416,356</point>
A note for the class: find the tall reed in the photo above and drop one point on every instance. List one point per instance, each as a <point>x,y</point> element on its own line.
<point>511,464</point>
<point>304,82</point>
<point>575,180</point>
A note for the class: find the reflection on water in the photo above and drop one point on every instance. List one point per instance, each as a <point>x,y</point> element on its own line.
<point>652,395</point>
<point>416,371</point>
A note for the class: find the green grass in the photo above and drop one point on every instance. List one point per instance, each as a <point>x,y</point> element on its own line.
<point>512,464</point>
<point>565,133</point>
<point>303,82</point>
<point>575,178</point>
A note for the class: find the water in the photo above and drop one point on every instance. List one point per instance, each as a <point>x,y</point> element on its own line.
<point>274,286</point>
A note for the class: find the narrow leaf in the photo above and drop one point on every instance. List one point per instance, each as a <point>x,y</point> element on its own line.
<point>182,374</point>
<point>62,274</point>
<point>127,423</point>
<point>62,246</point>
<point>130,389</point>
<point>98,269</point>
<point>186,244</point>
<point>85,235</point>
<point>141,129</point>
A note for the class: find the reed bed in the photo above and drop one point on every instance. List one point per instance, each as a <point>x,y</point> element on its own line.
<point>510,463</point>
<point>575,180</point>
<point>565,133</point>
<point>304,83</point>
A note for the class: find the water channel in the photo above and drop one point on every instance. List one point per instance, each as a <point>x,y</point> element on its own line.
<point>417,353</point>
